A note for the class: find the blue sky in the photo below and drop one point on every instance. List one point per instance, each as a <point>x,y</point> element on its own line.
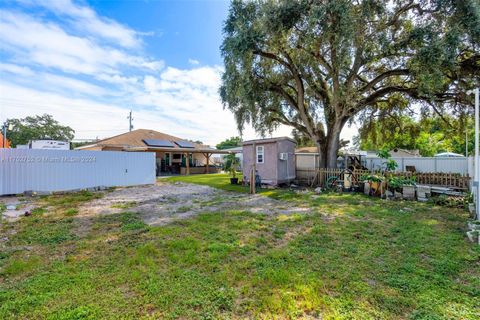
<point>183,30</point>
<point>89,62</point>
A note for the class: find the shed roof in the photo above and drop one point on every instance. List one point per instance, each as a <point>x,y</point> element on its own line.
<point>268,140</point>
<point>306,150</point>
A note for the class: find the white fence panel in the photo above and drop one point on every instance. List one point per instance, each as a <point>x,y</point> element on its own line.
<point>421,164</point>
<point>426,164</point>
<point>62,170</point>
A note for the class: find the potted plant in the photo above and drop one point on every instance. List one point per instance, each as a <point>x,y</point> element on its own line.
<point>231,164</point>
<point>395,186</point>
<point>372,183</point>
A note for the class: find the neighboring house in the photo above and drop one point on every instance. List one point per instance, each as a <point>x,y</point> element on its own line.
<point>307,158</point>
<point>274,159</point>
<point>449,155</point>
<point>171,152</point>
<point>396,153</point>
<point>46,144</point>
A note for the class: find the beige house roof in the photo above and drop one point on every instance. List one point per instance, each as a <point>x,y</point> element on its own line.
<point>134,141</point>
<point>306,150</point>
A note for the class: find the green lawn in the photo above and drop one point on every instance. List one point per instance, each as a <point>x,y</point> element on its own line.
<point>351,257</point>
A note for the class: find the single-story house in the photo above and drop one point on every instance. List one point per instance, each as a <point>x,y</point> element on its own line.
<point>171,152</point>
<point>273,159</point>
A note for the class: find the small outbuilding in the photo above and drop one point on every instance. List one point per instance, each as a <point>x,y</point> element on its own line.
<point>273,159</point>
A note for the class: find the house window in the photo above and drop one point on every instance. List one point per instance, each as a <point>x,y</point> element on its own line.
<point>260,154</point>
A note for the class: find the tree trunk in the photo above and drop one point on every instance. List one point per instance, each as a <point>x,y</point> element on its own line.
<point>332,149</point>
<point>328,146</point>
<point>333,143</point>
<point>322,159</point>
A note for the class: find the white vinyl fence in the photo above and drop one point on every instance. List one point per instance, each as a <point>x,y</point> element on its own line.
<point>305,161</point>
<point>62,170</point>
<point>427,164</point>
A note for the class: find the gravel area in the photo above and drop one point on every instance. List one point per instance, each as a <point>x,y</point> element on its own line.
<point>165,202</point>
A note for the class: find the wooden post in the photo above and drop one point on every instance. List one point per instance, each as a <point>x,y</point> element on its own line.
<point>254,170</point>
<point>187,162</point>
<point>207,155</point>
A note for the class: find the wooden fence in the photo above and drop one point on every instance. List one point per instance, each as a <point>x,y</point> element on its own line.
<point>321,177</point>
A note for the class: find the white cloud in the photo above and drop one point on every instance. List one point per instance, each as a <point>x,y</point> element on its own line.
<point>15,69</point>
<point>193,62</point>
<point>51,46</point>
<point>85,19</point>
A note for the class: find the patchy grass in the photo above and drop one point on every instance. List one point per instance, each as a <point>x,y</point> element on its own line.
<point>222,181</point>
<point>68,201</point>
<point>184,209</point>
<point>351,257</point>
<point>124,205</point>
<point>71,212</point>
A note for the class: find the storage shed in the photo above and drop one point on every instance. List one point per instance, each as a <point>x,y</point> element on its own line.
<point>274,159</point>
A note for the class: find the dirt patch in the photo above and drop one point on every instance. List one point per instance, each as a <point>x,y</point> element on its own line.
<point>165,202</point>
<point>15,208</point>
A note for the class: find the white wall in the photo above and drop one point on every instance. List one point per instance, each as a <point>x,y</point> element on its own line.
<point>61,170</point>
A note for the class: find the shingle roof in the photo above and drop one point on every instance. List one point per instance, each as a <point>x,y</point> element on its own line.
<point>267,140</point>
<point>307,150</point>
<point>134,139</point>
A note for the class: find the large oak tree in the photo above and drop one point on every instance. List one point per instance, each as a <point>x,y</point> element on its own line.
<point>315,65</point>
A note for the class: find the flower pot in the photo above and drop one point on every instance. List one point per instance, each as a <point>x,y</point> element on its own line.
<point>234,180</point>
<point>360,187</point>
<point>366,188</point>
<point>375,188</point>
<point>408,192</point>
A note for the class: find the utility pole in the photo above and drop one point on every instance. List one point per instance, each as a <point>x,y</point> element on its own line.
<point>476,179</point>
<point>130,119</point>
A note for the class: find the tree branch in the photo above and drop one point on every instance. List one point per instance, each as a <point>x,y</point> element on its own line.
<point>390,73</point>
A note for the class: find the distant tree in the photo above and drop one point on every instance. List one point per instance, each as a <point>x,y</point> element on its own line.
<point>77,144</point>
<point>38,127</point>
<point>302,139</point>
<point>230,143</point>
<point>430,134</point>
<point>196,141</point>
<point>316,65</point>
